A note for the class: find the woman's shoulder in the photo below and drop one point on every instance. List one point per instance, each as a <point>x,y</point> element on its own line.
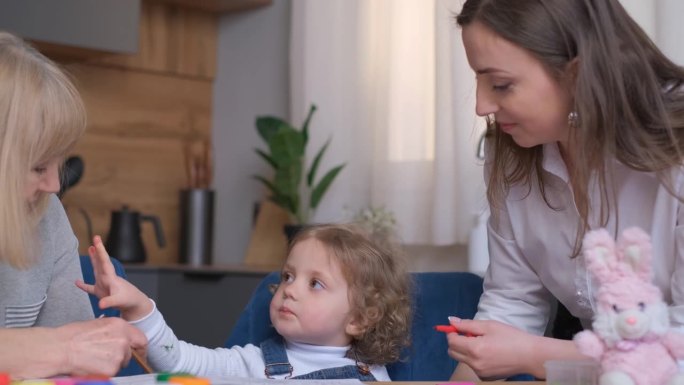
<point>55,217</point>
<point>55,230</point>
<point>54,208</point>
<point>676,175</point>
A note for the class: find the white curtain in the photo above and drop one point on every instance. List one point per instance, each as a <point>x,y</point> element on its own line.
<point>662,21</point>
<point>394,90</point>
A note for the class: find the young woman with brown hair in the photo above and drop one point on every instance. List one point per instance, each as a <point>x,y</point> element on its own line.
<point>585,130</point>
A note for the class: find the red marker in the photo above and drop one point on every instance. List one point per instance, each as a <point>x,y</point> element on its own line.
<point>446,328</point>
<point>449,329</point>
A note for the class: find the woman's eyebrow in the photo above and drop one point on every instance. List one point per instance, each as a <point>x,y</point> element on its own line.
<point>489,70</point>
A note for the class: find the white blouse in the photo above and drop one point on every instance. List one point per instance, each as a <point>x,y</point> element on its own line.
<point>530,247</point>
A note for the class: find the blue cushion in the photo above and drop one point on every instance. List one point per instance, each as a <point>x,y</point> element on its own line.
<point>89,278</point>
<point>254,324</point>
<point>436,297</point>
<point>133,367</point>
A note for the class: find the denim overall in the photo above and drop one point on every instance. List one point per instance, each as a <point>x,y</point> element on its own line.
<point>277,363</point>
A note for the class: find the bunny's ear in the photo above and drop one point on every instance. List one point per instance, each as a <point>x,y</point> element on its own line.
<point>634,250</point>
<point>598,247</point>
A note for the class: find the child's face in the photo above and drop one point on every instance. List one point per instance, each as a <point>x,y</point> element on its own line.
<point>311,304</point>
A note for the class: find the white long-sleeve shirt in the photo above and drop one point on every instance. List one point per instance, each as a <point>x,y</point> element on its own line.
<point>530,247</point>
<point>166,352</point>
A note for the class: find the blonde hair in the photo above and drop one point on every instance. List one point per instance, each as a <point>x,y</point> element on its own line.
<point>42,116</point>
<point>379,288</point>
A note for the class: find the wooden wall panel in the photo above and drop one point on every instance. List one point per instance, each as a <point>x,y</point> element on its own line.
<point>139,123</point>
<point>143,104</point>
<point>143,110</point>
<point>143,173</point>
<point>173,39</point>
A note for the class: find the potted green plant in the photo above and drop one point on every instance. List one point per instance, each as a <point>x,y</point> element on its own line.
<point>288,187</point>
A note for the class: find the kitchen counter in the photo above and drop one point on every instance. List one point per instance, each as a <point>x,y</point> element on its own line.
<point>200,303</point>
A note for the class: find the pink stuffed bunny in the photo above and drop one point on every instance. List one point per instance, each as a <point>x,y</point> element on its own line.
<point>632,339</point>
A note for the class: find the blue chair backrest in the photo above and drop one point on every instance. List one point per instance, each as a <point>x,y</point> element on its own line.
<point>254,323</point>
<point>89,278</point>
<point>436,296</point>
<point>133,367</point>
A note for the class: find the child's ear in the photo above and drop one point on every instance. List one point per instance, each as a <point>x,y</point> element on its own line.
<point>355,328</point>
<point>360,323</point>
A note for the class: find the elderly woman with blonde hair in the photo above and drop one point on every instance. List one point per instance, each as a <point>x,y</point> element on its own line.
<point>46,322</point>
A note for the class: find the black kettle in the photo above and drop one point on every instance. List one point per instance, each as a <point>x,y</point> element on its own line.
<point>124,241</point>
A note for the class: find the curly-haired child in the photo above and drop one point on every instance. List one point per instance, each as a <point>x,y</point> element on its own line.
<point>342,310</point>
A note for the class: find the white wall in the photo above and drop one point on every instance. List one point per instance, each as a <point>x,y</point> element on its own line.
<point>643,12</point>
<point>252,79</point>
<point>670,29</point>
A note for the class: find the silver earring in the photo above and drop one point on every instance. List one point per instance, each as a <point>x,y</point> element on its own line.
<point>573,117</point>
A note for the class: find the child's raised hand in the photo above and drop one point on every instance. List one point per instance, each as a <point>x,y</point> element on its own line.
<point>112,290</point>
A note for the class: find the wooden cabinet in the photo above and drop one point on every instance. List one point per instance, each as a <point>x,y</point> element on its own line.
<point>220,5</point>
<point>145,70</point>
<point>69,30</point>
<point>88,25</point>
<point>145,111</point>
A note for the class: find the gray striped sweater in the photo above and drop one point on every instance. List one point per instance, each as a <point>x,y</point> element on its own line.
<point>45,294</point>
